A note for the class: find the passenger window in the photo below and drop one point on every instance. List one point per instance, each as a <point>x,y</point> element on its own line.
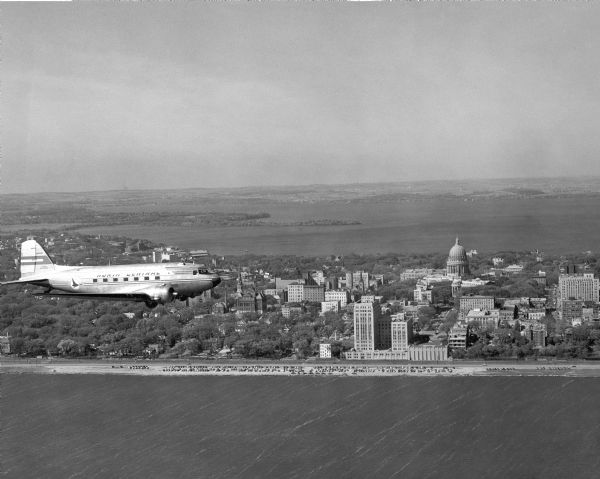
<point>105,280</point>
<point>115,280</point>
<point>94,280</point>
<point>125,279</point>
<point>146,278</point>
<point>157,277</point>
<point>136,279</point>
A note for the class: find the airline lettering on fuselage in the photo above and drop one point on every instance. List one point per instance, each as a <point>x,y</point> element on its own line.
<point>118,275</point>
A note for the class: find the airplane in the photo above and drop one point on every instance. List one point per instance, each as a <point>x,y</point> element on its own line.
<point>153,283</point>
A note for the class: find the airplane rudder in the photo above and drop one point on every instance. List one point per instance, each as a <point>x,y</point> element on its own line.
<point>34,258</point>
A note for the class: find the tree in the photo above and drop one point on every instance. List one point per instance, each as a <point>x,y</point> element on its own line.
<point>67,347</point>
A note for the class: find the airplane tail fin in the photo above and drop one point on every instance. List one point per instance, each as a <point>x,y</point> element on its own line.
<point>34,259</point>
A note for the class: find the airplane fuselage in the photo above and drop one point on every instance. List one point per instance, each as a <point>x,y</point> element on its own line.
<point>160,282</point>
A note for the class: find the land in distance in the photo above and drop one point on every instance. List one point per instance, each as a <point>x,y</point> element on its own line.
<point>554,215</point>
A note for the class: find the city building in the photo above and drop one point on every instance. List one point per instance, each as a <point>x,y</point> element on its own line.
<point>571,310</point>
<point>327,306</point>
<point>467,303</point>
<point>251,302</point>
<point>513,269</point>
<point>332,282</point>
<point>579,286</point>
<point>383,332</point>
<point>428,352</point>
<point>458,263</point>
<point>288,311</point>
<point>295,292</point>
<point>402,332</point>
<point>370,298</point>
<point>357,280</point>
<point>457,337</point>
<point>219,308</point>
<point>419,273</point>
<point>484,318</point>
<point>325,350</point>
<point>5,344</point>
<point>540,278</point>
<point>298,292</point>
<point>338,295</point>
<point>313,293</point>
<point>536,314</point>
<point>589,314</point>
<point>538,335</point>
<point>421,294</point>
<point>365,317</point>
<point>282,284</point>
<point>318,278</point>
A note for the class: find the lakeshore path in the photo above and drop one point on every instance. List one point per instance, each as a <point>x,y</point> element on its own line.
<point>179,368</point>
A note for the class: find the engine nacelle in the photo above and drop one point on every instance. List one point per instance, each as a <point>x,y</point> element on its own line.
<point>161,295</point>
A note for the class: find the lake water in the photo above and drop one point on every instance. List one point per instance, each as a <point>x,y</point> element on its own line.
<point>255,427</point>
<point>554,225</point>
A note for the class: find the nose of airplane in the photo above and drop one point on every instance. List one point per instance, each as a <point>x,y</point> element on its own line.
<point>216,280</point>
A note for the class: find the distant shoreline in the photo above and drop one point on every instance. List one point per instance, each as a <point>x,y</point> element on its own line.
<point>337,369</point>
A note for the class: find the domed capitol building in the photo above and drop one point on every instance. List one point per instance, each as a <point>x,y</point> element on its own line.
<point>458,263</point>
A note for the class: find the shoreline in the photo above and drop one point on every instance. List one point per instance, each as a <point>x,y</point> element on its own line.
<point>184,369</point>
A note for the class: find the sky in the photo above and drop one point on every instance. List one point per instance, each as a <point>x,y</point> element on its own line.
<point>156,95</point>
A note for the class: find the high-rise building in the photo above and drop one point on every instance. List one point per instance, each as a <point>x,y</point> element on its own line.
<point>383,332</point>
<point>579,286</point>
<point>365,317</point>
<point>538,335</point>
<point>402,332</point>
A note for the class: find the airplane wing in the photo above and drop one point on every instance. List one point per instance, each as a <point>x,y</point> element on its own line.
<point>149,295</point>
<point>114,297</point>
<point>37,282</point>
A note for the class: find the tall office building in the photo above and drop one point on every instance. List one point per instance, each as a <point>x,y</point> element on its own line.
<point>578,286</point>
<point>401,332</point>
<point>365,317</point>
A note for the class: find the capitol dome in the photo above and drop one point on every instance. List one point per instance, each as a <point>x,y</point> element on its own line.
<point>458,263</point>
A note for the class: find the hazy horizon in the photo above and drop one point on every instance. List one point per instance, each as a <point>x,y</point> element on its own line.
<point>101,96</point>
<point>531,181</point>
